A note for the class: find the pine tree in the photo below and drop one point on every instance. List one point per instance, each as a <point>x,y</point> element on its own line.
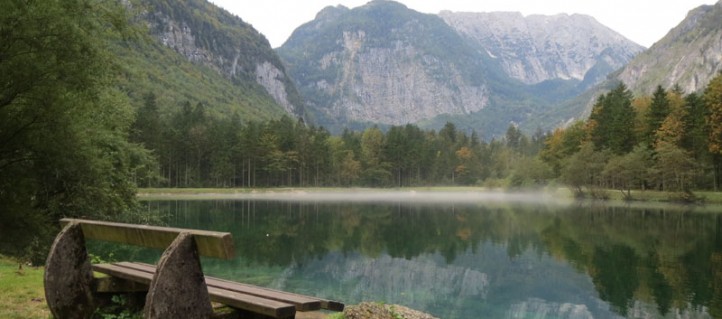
<point>611,124</point>
<point>713,102</point>
<point>657,113</point>
<point>696,130</point>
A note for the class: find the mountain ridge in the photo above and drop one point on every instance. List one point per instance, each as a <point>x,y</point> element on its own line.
<point>690,55</point>
<point>536,48</point>
<point>366,52</point>
<point>383,63</point>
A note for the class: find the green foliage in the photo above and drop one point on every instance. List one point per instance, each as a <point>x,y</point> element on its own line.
<point>531,172</point>
<point>393,312</point>
<point>561,144</point>
<point>675,168</point>
<point>681,158</point>
<point>696,130</point>
<point>584,168</point>
<point>659,109</point>
<point>118,309</point>
<point>196,150</point>
<point>713,100</point>
<point>63,127</point>
<point>147,67</point>
<point>629,171</point>
<point>336,315</point>
<point>612,121</point>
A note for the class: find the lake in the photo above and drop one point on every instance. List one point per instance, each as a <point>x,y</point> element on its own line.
<point>468,255</point>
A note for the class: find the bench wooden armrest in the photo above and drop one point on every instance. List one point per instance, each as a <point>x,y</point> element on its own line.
<point>209,243</point>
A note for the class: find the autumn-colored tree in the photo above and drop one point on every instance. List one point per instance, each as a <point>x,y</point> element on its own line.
<point>561,144</point>
<point>671,129</point>
<point>463,171</point>
<point>641,108</point>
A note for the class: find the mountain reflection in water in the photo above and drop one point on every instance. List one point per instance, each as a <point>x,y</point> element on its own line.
<point>520,259</point>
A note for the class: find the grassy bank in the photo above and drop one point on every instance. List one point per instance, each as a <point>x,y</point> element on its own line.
<point>21,291</point>
<point>704,197</point>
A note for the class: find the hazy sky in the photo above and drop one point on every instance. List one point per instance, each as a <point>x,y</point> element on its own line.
<point>642,21</point>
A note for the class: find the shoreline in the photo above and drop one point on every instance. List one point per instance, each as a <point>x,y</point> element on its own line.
<point>430,195</point>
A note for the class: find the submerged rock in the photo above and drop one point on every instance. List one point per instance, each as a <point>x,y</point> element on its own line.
<point>371,310</point>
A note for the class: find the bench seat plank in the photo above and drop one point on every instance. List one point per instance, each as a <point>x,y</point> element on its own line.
<point>254,304</point>
<point>234,299</point>
<point>302,302</point>
<point>209,243</point>
<point>276,294</point>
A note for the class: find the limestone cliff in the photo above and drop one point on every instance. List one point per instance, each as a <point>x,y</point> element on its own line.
<point>538,48</point>
<point>394,85</point>
<point>383,63</point>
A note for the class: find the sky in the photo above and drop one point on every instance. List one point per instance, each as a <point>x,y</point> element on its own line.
<point>642,21</point>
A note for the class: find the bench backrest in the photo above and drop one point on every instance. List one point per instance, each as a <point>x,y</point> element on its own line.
<point>209,243</point>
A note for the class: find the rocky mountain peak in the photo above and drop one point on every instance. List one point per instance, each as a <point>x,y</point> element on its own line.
<point>331,12</point>
<point>384,63</point>
<point>538,48</point>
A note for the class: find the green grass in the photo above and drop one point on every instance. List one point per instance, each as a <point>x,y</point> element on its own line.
<point>707,197</point>
<point>21,291</point>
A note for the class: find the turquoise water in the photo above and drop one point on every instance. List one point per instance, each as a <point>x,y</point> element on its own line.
<point>470,259</point>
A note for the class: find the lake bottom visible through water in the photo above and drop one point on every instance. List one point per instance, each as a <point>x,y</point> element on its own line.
<point>470,259</point>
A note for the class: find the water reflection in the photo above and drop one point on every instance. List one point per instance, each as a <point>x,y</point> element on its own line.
<point>470,260</point>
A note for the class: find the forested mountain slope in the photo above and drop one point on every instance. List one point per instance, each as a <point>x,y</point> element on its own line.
<point>193,51</point>
<point>690,55</point>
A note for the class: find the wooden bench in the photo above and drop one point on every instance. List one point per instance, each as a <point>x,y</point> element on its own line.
<point>176,288</point>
